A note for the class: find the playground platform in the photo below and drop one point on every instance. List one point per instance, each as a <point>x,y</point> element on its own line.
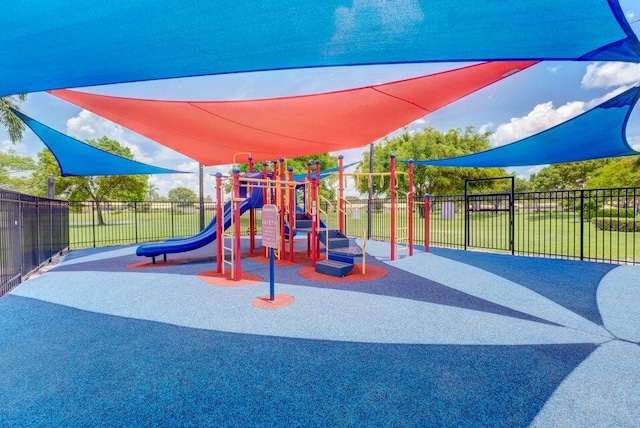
<point>448,338</point>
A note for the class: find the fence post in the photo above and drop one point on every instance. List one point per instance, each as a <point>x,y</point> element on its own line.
<point>427,212</point>
<point>581,224</point>
<point>93,222</point>
<point>135,219</point>
<point>173,229</point>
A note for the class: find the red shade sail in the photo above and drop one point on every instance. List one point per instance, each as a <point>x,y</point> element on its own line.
<point>212,132</point>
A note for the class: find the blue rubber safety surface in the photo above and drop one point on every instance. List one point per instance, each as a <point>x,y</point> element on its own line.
<point>517,341</point>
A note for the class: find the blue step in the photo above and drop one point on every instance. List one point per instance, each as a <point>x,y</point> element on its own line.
<point>333,268</point>
<point>303,224</point>
<point>336,239</point>
<point>340,258</point>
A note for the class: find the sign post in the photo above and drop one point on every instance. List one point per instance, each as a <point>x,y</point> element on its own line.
<point>270,226</point>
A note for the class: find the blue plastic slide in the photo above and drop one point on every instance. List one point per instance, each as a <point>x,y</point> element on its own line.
<point>204,237</point>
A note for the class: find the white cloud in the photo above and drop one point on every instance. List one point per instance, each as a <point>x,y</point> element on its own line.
<point>553,69</point>
<point>630,15</point>
<point>610,74</point>
<point>634,142</point>
<point>86,126</point>
<point>544,116</point>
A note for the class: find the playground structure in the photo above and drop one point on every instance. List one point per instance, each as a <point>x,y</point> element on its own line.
<point>254,189</point>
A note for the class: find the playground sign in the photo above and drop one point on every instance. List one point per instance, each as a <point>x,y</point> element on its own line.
<point>270,223</point>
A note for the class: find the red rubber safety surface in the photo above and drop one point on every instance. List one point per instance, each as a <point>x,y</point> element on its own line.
<point>224,280</point>
<point>280,301</point>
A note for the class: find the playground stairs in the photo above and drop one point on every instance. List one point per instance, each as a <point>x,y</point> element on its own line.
<point>341,255</point>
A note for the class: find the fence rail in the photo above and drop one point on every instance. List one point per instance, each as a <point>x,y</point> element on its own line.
<point>32,230</point>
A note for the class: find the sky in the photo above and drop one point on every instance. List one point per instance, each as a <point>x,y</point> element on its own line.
<point>523,104</point>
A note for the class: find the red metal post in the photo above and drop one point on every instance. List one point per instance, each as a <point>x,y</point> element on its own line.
<point>219,222</point>
<point>317,192</point>
<point>410,207</point>
<point>265,200</point>
<point>308,191</point>
<point>314,221</point>
<point>236,224</point>
<point>427,212</point>
<point>252,214</point>
<point>292,210</point>
<point>283,208</point>
<point>392,171</point>
<point>341,193</point>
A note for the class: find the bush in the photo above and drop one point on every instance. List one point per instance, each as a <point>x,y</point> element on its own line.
<point>617,224</point>
<point>617,212</point>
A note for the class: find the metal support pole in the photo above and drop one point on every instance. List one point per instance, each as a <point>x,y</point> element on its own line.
<point>282,207</point>
<point>236,224</point>
<point>314,226</point>
<point>219,221</point>
<point>252,213</point>
<point>265,196</point>
<point>201,193</point>
<point>317,192</point>
<point>512,215</point>
<point>392,171</point>
<point>581,224</point>
<point>410,207</point>
<point>427,213</point>
<point>370,200</point>
<point>292,211</point>
<point>341,194</point>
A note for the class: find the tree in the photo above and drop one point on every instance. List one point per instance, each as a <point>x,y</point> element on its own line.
<point>13,168</point>
<point>429,144</point>
<point>97,189</point>
<point>152,192</point>
<point>15,127</point>
<point>183,196</point>
<point>623,172</point>
<point>566,176</point>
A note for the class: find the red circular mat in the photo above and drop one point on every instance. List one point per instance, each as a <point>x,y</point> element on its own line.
<point>224,280</point>
<point>373,273</point>
<point>280,301</point>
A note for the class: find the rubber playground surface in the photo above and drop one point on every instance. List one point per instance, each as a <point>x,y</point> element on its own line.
<point>448,338</point>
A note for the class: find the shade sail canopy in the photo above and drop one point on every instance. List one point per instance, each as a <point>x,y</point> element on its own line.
<point>65,43</point>
<point>597,133</point>
<point>76,158</point>
<point>212,132</point>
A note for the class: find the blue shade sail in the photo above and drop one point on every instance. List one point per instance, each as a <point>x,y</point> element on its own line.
<point>65,43</point>
<point>76,158</point>
<point>597,133</point>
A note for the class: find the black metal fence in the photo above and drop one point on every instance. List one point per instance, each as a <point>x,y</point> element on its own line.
<point>32,229</point>
<point>130,222</point>
<point>597,225</point>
